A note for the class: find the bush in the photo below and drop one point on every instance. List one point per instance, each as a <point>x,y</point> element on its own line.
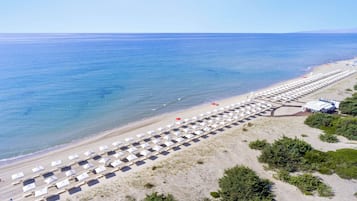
<point>149,185</point>
<point>355,87</point>
<point>330,138</point>
<point>285,153</point>
<point>349,89</point>
<point>321,120</point>
<point>347,127</point>
<point>349,105</point>
<point>159,197</point>
<point>242,183</point>
<point>258,144</point>
<point>307,183</point>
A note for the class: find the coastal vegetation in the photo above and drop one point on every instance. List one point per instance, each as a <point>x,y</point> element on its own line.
<point>307,183</point>
<point>334,124</point>
<point>258,144</point>
<point>294,155</point>
<point>349,105</point>
<point>159,197</point>
<point>287,155</point>
<point>242,183</point>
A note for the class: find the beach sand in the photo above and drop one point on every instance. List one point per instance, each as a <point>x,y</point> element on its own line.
<point>180,173</point>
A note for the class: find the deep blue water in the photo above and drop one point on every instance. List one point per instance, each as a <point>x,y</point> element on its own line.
<point>61,87</point>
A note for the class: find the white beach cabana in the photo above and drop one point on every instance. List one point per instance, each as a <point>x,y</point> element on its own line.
<point>88,153</point>
<point>118,154</point>
<point>103,148</point>
<point>131,157</point>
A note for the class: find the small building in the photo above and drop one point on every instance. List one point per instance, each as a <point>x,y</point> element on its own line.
<point>319,106</point>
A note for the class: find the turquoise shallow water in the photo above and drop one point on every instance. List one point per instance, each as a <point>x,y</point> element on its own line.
<point>55,88</point>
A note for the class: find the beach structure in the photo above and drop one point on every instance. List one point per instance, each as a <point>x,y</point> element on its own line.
<point>319,106</point>
<point>80,171</point>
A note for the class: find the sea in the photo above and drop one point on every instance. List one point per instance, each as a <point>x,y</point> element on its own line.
<point>58,88</point>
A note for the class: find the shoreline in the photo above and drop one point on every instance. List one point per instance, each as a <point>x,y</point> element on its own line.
<point>132,126</point>
<point>130,130</point>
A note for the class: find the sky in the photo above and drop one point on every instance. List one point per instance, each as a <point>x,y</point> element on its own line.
<point>161,16</point>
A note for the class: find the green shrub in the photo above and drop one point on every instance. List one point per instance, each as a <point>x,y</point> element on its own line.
<point>330,138</point>
<point>242,183</point>
<point>215,194</point>
<point>355,87</point>
<point>347,127</point>
<point>307,183</point>
<point>258,144</point>
<point>321,120</point>
<point>349,105</point>
<point>285,153</point>
<point>159,197</point>
<point>349,89</point>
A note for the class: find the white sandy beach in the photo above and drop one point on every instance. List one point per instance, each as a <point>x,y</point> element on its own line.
<point>179,173</point>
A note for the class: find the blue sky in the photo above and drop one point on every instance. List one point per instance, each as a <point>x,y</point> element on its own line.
<point>128,16</point>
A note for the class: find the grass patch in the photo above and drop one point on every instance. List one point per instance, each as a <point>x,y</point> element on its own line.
<point>258,144</point>
<point>245,129</point>
<point>330,138</point>
<point>307,183</point>
<point>349,105</point>
<point>304,135</point>
<point>348,89</point>
<point>214,194</point>
<point>242,183</point>
<point>250,124</point>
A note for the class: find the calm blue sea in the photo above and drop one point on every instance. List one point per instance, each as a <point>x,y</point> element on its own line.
<point>55,88</point>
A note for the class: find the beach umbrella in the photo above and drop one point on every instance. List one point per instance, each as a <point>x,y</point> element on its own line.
<point>51,179</point>
<point>104,147</point>
<point>132,149</point>
<point>168,143</point>
<point>56,163</point>
<point>178,122</point>
<point>62,184</point>
<point>104,160</point>
<point>118,154</point>
<point>37,169</point>
<point>87,166</point>
<point>144,145</point>
<point>116,163</point>
<point>144,152</point>
<point>72,157</point>
<point>179,139</point>
<point>88,153</point>
<point>167,137</point>
<point>155,141</point>
<point>157,148</point>
<point>41,192</point>
<point>82,176</point>
<point>178,118</point>
<point>131,157</point>
<point>70,172</point>
<point>177,133</point>
<point>116,143</point>
<point>100,169</point>
<point>140,135</point>
<point>28,187</point>
<point>128,139</point>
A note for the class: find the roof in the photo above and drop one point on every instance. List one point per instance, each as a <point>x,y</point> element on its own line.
<point>318,105</point>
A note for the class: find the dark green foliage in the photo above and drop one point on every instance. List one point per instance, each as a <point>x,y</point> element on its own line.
<point>159,197</point>
<point>307,183</point>
<point>347,127</point>
<point>321,120</point>
<point>330,138</point>
<point>349,105</point>
<point>215,194</point>
<point>349,89</point>
<point>258,144</point>
<point>355,87</point>
<point>342,162</point>
<point>242,183</point>
<point>285,153</point>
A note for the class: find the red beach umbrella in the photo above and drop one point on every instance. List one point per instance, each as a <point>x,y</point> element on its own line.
<point>178,118</point>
